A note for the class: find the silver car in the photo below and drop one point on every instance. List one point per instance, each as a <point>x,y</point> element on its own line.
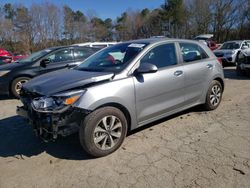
<point>229,51</point>
<point>121,88</point>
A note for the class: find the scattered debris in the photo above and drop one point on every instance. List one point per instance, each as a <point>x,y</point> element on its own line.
<point>123,148</point>
<point>214,171</point>
<point>151,129</point>
<point>50,161</point>
<point>240,171</point>
<point>205,131</point>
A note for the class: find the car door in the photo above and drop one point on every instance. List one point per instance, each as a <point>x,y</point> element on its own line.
<point>161,92</point>
<point>198,69</point>
<point>58,60</point>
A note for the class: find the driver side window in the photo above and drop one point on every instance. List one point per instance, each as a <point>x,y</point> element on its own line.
<point>61,55</point>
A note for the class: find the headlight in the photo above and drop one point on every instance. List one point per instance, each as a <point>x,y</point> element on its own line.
<point>56,103</point>
<point>3,72</point>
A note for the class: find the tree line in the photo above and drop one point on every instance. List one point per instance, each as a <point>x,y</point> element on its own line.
<point>41,25</point>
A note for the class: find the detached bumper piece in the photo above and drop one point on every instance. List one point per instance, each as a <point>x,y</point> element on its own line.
<point>49,126</point>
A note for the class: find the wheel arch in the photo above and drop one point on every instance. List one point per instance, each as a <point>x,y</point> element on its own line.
<point>18,76</point>
<point>221,82</point>
<point>124,110</point>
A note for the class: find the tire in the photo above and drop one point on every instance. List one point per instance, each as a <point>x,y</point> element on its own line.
<point>16,85</point>
<point>214,96</point>
<point>95,139</point>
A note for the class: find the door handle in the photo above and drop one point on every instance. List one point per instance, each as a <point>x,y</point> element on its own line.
<point>178,73</point>
<point>210,66</point>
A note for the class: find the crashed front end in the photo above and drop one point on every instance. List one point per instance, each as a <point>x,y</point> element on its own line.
<point>52,116</point>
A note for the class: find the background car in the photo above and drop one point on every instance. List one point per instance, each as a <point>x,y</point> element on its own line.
<point>4,52</point>
<point>121,88</point>
<point>8,57</point>
<point>230,50</point>
<point>14,75</point>
<point>5,59</point>
<point>18,56</point>
<point>208,40</point>
<point>243,63</point>
<point>97,44</point>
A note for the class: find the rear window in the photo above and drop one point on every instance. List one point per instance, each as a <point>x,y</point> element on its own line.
<point>192,52</point>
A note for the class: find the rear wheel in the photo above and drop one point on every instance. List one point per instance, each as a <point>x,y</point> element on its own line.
<point>16,85</point>
<point>214,95</point>
<point>103,131</point>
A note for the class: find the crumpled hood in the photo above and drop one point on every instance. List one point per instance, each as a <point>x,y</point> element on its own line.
<point>58,81</point>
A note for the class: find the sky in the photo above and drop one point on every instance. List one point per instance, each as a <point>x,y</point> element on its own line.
<point>102,8</point>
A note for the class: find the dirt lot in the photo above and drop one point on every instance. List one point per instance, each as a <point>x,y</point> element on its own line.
<point>191,149</point>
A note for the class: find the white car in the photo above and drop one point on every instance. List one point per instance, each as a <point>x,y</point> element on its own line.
<point>230,50</point>
<point>97,44</point>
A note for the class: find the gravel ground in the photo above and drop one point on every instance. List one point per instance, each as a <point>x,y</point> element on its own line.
<point>190,149</point>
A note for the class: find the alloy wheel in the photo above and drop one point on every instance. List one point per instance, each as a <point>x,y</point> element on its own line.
<point>107,132</point>
<point>215,95</point>
<point>19,84</point>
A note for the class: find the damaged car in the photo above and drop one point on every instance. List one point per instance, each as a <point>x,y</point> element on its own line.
<point>121,88</point>
<point>243,63</point>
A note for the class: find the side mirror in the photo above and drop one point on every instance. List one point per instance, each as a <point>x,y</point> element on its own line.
<point>146,68</point>
<point>44,62</point>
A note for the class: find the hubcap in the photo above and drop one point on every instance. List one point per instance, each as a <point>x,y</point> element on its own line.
<point>107,132</point>
<point>215,95</point>
<point>18,85</point>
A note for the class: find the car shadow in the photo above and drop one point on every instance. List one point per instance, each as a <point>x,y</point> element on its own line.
<point>230,73</point>
<point>18,140</point>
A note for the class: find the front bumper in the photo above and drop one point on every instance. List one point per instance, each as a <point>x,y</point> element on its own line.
<point>51,125</point>
<point>228,60</point>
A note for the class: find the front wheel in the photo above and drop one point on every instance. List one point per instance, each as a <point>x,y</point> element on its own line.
<point>16,85</point>
<point>103,131</point>
<point>214,95</point>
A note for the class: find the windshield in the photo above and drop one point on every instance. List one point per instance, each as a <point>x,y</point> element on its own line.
<point>230,46</point>
<point>112,59</point>
<point>35,56</point>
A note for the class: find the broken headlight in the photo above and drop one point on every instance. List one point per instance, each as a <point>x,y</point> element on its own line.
<point>57,102</point>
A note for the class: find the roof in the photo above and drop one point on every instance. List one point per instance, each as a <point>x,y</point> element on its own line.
<point>160,39</point>
<point>207,36</point>
<point>94,43</point>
